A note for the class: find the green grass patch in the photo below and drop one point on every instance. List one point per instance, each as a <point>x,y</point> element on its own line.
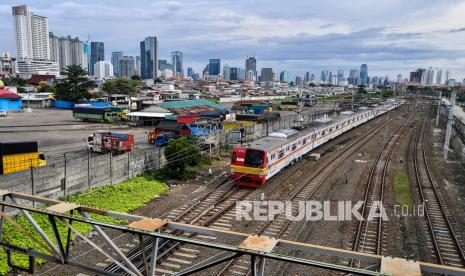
<point>402,189</point>
<point>124,197</point>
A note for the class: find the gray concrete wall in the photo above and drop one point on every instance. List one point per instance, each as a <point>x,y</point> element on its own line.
<point>73,172</point>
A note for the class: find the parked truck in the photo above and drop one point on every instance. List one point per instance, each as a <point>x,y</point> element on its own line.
<point>96,114</point>
<point>20,156</point>
<point>105,141</point>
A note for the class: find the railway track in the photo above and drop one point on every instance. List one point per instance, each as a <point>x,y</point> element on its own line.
<point>214,210</point>
<point>445,243</point>
<point>369,233</point>
<point>305,190</point>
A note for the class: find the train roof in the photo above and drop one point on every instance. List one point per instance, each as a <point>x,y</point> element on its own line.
<point>282,137</point>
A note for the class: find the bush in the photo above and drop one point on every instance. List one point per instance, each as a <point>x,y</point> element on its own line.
<point>179,154</point>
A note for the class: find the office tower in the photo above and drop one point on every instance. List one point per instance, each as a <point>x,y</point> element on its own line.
<point>364,74</point>
<point>417,75</point>
<point>340,77</point>
<point>149,58</point>
<point>97,53</point>
<point>353,77</point>
<point>284,76</point>
<point>312,78</point>
<point>127,66</point>
<point>307,77</point>
<point>32,43</point>
<point>115,58</point>
<point>103,69</point>
<point>266,74</point>
<point>164,65</point>
<point>234,74</point>
<point>206,70</point>
<point>214,66</point>
<point>86,50</point>
<point>176,61</point>
<point>325,76</point>
<point>298,80</point>
<point>137,66</point>
<point>226,72</point>
<point>439,76</point>
<point>251,66</point>
<point>190,72</point>
<point>249,75</point>
<point>241,74</point>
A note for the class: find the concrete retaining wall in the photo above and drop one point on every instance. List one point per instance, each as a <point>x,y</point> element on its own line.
<point>74,173</point>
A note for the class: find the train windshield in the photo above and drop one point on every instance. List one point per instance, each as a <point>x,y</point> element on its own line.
<point>254,158</point>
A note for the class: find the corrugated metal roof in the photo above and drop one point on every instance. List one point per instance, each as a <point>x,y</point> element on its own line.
<point>190,104</point>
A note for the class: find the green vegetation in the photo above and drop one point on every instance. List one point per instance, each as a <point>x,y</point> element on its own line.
<point>123,197</point>
<point>45,87</point>
<point>121,86</point>
<point>402,190</point>
<point>183,157</point>
<point>75,86</point>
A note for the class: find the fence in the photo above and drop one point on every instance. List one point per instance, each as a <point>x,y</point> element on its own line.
<point>74,172</point>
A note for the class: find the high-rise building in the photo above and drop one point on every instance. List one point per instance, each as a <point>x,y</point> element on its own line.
<point>241,74</point>
<point>364,74</point>
<point>266,75</point>
<point>214,66</point>
<point>284,76</point>
<point>176,61</point>
<point>86,49</point>
<point>226,72</point>
<point>149,58</point>
<point>298,80</point>
<point>190,72</point>
<point>234,74</point>
<point>127,66</point>
<point>97,53</point>
<point>324,78</point>
<point>251,66</point>
<point>340,77</point>
<point>32,43</point>
<point>163,65</point>
<point>353,77</point>
<point>307,77</point>
<point>417,75</point>
<point>103,69</point>
<point>439,76</point>
<point>137,72</point>
<point>68,51</point>
<point>115,58</point>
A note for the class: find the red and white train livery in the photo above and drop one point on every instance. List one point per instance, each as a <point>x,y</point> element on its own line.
<point>254,164</point>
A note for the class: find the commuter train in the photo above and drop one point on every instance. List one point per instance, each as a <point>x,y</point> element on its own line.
<point>254,164</point>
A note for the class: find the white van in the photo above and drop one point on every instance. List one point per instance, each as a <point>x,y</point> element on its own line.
<point>3,113</point>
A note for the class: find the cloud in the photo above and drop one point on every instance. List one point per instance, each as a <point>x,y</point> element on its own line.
<point>305,35</point>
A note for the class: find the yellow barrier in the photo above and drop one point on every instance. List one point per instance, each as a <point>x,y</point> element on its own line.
<point>22,161</point>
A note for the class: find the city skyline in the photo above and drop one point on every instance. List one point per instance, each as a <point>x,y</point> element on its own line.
<point>332,39</point>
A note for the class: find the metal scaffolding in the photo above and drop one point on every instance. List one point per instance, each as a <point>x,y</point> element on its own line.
<point>258,248</point>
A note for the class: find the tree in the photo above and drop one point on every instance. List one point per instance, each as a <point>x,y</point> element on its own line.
<point>179,154</point>
<point>45,87</point>
<point>75,86</point>
<point>361,89</point>
<point>121,86</point>
<point>135,77</point>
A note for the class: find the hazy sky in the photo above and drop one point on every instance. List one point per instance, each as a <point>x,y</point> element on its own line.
<point>394,36</point>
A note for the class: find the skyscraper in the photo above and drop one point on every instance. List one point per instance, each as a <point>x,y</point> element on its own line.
<point>97,53</point>
<point>214,66</point>
<point>284,76</point>
<point>115,58</point>
<point>32,43</point>
<point>307,77</point>
<point>103,69</point>
<point>353,77</point>
<point>250,66</point>
<point>68,51</point>
<point>126,66</point>
<point>226,72</point>
<point>234,76</point>
<point>363,74</point>
<point>86,49</point>
<point>149,58</point>
<point>266,74</point>
<point>137,72</point>
<point>176,61</point>
<point>190,72</point>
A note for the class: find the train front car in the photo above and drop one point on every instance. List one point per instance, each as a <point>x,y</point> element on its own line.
<point>248,167</point>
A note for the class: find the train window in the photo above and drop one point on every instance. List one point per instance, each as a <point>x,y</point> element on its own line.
<point>287,148</point>
<point>323,132</point>
<point>280,154</point>
<point>273,156</point>
<point>337,126</point>
<point>254,158</point>
<point>304,141</point>
<point>294,146</point>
